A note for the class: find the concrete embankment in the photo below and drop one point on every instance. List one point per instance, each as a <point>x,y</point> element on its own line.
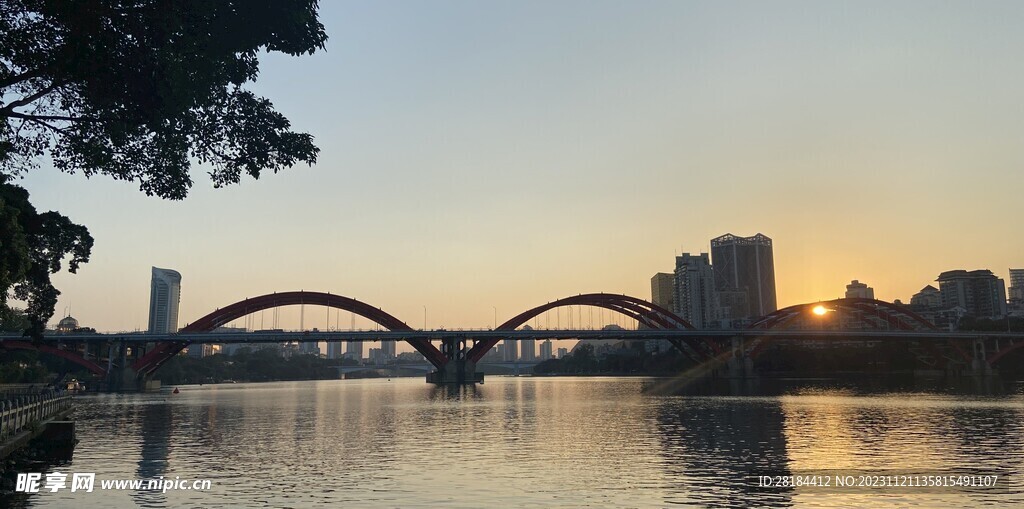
<point>25,417</point>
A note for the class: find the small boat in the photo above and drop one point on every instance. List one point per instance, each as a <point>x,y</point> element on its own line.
<point>175,391</point>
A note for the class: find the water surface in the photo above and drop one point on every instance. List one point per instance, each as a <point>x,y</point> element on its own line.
<point>533,442</point>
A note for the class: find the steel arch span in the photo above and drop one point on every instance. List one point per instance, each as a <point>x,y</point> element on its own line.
<point>868,313</point>
<point>164,351</point>
<point>1000,353</point>
<point>646,313</point>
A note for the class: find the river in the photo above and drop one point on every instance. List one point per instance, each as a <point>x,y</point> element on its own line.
<point>540,442</point>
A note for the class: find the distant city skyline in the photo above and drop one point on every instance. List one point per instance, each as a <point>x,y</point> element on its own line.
<point>481,160</point>
<point>166,288</point>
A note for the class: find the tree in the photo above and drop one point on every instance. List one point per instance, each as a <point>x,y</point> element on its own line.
<point>136,90</point>
<point>13,320</point>
<point>32,247</point>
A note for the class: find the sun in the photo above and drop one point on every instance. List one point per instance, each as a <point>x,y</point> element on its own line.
<point>819,310</point>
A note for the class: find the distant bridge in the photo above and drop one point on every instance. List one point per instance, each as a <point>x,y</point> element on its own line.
<point>513,366</point>
<point>133,358</point>
<point>479,335</point>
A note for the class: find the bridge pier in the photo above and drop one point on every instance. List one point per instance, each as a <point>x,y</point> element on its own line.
<point>120,375</point>
<point>740,364</point>
<point>459,370</point>
<point>125,379</point>
<point>979,364</point>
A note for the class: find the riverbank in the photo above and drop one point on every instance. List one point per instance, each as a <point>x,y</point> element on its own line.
<point>25,418</point>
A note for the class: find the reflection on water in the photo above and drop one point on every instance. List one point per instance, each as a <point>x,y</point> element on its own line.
<point>717,446</point>
<point>38,456</point>
<point>543,442</point>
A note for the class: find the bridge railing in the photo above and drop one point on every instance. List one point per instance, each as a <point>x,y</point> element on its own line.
<point>19,413</point>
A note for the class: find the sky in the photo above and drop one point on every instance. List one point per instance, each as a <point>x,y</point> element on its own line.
<point>481,158</point>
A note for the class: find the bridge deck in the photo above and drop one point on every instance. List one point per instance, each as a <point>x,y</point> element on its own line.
<point>633,335</point>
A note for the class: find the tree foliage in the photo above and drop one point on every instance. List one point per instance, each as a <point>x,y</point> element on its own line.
<point>13,319</point>
<point>33,246</point>
<point>259,365</point>
<point>135,90</point>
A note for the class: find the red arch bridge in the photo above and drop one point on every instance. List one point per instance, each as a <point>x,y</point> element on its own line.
<point>129,360</point>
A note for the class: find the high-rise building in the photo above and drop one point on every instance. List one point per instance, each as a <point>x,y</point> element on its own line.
<point>662,290</point>
<point>731,305</point>
<point>510,351</point>
<point>1017,286</point>
<point>545,350</point>
<point>858,290</point>
<point>354,350</point>
<point>164,297</point>
<point>387,349</point>
<point>978,292</point>
<point>745,265</point>
<point>694,294</point>
<point>562,352</point>
<point>334,350</point>
<point>528,352</point>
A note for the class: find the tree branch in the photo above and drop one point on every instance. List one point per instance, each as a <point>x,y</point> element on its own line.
<point>14,114</point>
<point>29,99</point>
<point>27,75</point>
<point>45,124</point>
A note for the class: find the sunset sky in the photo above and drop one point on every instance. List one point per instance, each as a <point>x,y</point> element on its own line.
<point>499,155</point>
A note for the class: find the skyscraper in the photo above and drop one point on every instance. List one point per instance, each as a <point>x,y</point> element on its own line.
<point>744,266</point>
<point>164,296</point>
<point>694,294</point>
<point>979,292</point>
<point>662,290</point>
<point>334,349</point>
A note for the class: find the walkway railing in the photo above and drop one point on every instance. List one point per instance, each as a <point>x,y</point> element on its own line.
<point>19,413</point>
<point>11,391</point>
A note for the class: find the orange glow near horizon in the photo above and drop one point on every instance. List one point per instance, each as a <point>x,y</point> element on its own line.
<point>820,310</point>
<point>532,169</point>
